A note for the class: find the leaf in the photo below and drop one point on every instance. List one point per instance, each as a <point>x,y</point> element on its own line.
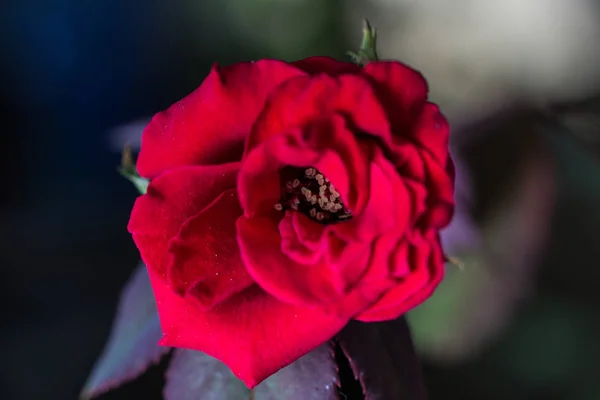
<point>195,375</point>
<point>133,343</point>
<point>312,377</point>
<point>383,359</point>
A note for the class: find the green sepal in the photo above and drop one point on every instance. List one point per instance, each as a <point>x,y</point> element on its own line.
<point>128,171</point>
<point>368,46</point>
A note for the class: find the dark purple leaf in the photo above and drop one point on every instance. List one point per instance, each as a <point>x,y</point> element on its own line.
<point>312,377</point>
<point>383,359</point>
<point>195,375</point>
<point>133,343</point>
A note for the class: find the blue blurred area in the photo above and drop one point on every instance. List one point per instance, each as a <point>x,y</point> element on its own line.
<point>79,67</point>
<point>70,71</point>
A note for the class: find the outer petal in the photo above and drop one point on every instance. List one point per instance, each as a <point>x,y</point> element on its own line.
<point>402,89</point>
<point>440,187</point>
<point>428,270</point>
<point>431,131</point>
<point>205,255</point>
<point>209,126</point>
<point>172,198</point>
<point>328,65</point>
<point>254,334</point>
<point>431,183</point>
<point>403,93</point>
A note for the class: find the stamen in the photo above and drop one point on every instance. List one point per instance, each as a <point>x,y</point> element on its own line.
<point>307,190</point>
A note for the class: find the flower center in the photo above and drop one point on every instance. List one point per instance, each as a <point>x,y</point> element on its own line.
<point>308,191</point>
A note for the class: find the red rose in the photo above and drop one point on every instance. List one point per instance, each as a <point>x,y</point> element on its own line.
<point>285,200</point>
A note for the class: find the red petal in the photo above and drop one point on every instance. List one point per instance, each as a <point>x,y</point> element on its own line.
<point>388,206</point>
<point>432,133</point>
<point>375,281</point>
<point>209,126</point>
<point>403,93</point>
<point>428,269</point>
<point>402,89</point>
<point>307,232</point>
<point>253,333</point>
<point>430,182</point>
<point>172,198</point>
<point>431,185</point>
<point>440,187</point>
<point>328,65</point>
<point>205,254</point>
<point>303,252</point>
<point>303,100</point>
<point>287,280</point>
<point>329,282</point>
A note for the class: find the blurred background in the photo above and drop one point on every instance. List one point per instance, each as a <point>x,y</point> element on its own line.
<point>518,79</point>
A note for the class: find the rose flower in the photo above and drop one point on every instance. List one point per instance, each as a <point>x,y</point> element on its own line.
<point>286,199</point>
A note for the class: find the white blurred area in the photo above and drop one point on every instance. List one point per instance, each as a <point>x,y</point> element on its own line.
<point>480,55</point>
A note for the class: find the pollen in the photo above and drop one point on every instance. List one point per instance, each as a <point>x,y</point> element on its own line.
<point>308,191</point>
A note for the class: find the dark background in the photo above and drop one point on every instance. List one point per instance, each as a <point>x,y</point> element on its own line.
<point>73,70</point>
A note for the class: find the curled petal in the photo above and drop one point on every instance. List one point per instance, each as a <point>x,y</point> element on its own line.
<point>307,232</point>
<point>427,262</point>
<point>303,252</point>
<point>374,280</point>
<point>431,185</point>
<point>403,93</point>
